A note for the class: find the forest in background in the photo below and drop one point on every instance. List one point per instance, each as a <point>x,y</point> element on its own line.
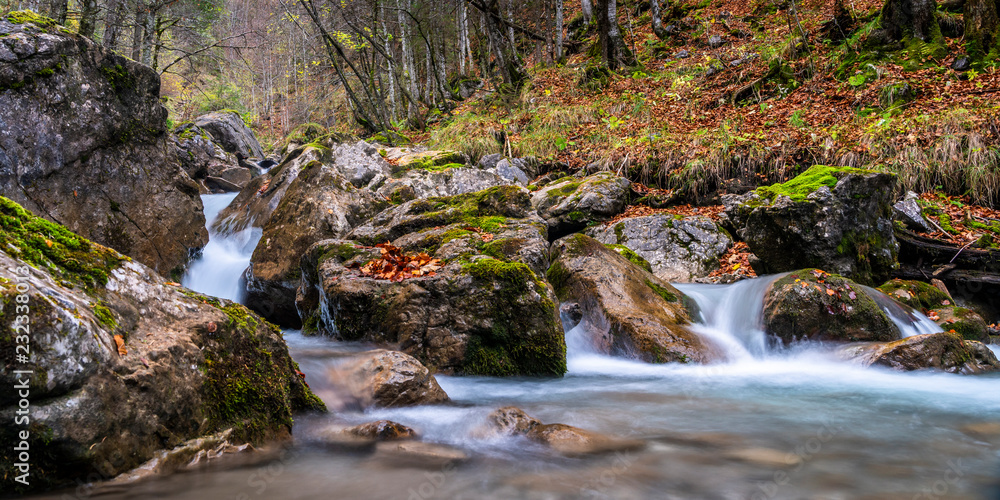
<point>689,97</point>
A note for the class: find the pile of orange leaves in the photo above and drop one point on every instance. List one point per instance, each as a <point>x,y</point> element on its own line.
<point>394,265</point>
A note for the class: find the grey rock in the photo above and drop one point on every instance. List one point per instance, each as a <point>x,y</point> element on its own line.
<point>942,351</point>
<point>489,161</point>
<point>83,143</point>
<point>573,204</point>
<point>418,184</point>
<point>684,54</point>
<point>678,249</point>
<point>961,63</point>
<point>715,41</point>
<point>227,129</point>
<point>510,170</point>
<point>908,212</point>
<point>359,163</point>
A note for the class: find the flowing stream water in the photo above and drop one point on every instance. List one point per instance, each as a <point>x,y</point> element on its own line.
<point>770,423</point>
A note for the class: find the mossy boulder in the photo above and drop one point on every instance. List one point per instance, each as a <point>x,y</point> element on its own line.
<point>916,294</point>
<point>571,204</point>
<point>834,218</point>
<point>943,351</point>
<point>677,248</point>
<point>85,144</point>
<point>320,203</point>
<point>626,310</point>
<point>810,304</point>
<point>962,321</point>
<point>475,316</point>
<point>189,365</point>
<point>485,210</point>
<point>487,311</point>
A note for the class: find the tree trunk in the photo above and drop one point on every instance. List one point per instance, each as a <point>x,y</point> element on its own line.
<point>910,18</point>
<point>614,53</point>
<point>140,15</point>
<point>559,30</point>
<point>588,11</point>
<point>57,10</point>
<point>654,7</point>
<point>981,27</point>
<point>113,24</point>
<point>88,17</point>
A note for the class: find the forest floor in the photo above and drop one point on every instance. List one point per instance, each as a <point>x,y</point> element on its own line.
<point>733,99</point>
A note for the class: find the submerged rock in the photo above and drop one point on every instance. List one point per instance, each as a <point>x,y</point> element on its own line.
<point>386,379</point>
<point>833,218</point>
<point>626,310</point>
<point>944,351</point>
<point>188,456</point>
<point>678,249</point>
<point>85,144</point>
<point>572,204</point>
<point>383,430</point>
<point>125,364</point>
<point>562,438</point>
<point>810,304</point>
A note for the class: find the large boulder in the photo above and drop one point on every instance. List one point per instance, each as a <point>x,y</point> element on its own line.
<point>485,311</point>
<point>124,364</point>
<point>945,351</point>
<point>571,204</point>
<point>625,310</point>
<point>811,304</point>
<point>229,131</point>
<point>833,218</point>
<point>260,197</point>
<point>206,162</point>
<point>320,203</point>
<point>677,248</point>
<point>386,379</point>
<point>84,144</point>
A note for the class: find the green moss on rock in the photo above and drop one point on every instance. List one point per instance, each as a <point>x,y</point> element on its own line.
<point>54,248</point>
<point>633,257</point>
<point>916,294</point>
<point>808,182</point>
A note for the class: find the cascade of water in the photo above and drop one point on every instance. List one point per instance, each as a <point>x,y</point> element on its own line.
<point>220,269</point>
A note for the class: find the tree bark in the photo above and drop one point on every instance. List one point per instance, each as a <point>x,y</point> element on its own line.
<point>981,26</point>
<point>88,17</point>
<point>654,7</point>
<point>559,30</point>
<point>113,24</point>
<point>614,53</point>
<point>588,11</point>
<point>58,9</point>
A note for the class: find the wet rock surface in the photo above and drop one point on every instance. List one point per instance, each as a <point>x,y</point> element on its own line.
<point>810,304</point>
<point>626,310</point>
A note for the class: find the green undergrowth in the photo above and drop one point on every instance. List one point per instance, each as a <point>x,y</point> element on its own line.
<point>53,248</point>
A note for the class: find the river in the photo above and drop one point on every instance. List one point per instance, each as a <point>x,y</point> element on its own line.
<point>772,423</point>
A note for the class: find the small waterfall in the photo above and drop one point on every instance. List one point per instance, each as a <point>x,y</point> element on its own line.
<point>731,315</point>
<point>909,321</point>
<point>220,269</point>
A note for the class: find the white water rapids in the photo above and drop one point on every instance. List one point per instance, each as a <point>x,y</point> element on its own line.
<point>785,423</point>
